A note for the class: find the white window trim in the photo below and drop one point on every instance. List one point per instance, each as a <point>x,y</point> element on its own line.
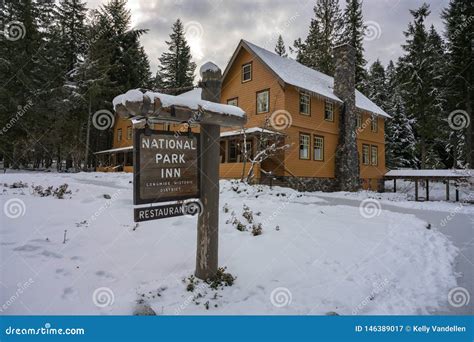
<point>322,147</point>
<point>243,72</point>
<point>326,103</point>
<point>303,95</point>
<point>308,145</point>
<point>268,101</point>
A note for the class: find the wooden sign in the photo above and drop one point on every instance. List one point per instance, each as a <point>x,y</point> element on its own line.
<point>191,208</point>
<point>157,212</point>
<point>166,166</point>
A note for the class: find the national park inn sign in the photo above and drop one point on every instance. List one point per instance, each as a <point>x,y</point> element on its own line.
<point>166,170</point>
<point>166,166</point>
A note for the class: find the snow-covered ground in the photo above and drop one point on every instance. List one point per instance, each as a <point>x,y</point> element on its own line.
<point>313,257</point>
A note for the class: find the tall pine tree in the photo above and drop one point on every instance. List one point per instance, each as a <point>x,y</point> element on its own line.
<point>324,34</point>
<point>399,135</point>
<point>421,98</point>
<point>354,29</point>
<point>280,49</point>
<point>458,19</point>
<point>176,69</point>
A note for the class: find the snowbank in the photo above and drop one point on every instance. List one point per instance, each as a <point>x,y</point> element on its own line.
<point>312,258</point>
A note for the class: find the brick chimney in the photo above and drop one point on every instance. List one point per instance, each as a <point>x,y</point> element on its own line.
<point>347,157</point>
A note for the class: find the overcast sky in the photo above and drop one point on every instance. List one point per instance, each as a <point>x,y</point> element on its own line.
<point>214,27</point>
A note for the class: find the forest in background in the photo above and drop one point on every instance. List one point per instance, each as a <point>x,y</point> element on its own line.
<point>71,62</point>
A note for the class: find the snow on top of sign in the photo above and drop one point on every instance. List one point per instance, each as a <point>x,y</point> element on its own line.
<point>194,94</point>
<point>294,73</point>
<point>208,66</point>
<point>191,101</point>
<point>430,173</point>
<point>133,95</point>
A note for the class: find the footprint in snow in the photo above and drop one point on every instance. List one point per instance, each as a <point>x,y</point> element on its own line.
<point>50,254</point>
<point>105,274</point>
<point>26,248</point>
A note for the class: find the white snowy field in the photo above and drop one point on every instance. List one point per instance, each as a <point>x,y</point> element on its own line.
<point>312,258</point>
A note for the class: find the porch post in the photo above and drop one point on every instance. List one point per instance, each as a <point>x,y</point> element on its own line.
<point>447,189</point>
<point>427,189</point>
<point>394,185</point>
<point>416,189</point>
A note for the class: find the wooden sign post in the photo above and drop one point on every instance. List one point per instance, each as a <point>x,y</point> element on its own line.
<point>177,166</point>
<point>208,221</point>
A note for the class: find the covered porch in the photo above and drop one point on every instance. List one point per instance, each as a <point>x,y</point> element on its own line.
<point>233,145</point>
<point>115,160</point>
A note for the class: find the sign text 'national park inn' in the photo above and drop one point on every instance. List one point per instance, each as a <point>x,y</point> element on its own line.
<point>166,166</point>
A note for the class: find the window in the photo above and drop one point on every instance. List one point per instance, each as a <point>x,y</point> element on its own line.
<point>233,102</point>
<point>246,72</point>
<point>129,133</point>
<point>304,146</point>
<point>373,124</point>
<point>305,103</point>
<point>232,155</point>
<point>318,148</point>
<point>365,154</point>
<point>248,148</point>
<point>359,120</point>
<point>328,111</point>
<point>263,103</point>
<point>119,134</point>
<point>374,153</point>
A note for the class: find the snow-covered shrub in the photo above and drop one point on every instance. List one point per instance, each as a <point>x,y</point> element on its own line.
<point>257,229</point>
<point>248,214</point>
<point>221,279</point>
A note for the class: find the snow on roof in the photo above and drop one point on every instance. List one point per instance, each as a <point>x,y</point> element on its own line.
<point>193,103</point>
<point>119,149</point>
<point>248,131</point>
<point>294,73</point>
<point>430,173</point>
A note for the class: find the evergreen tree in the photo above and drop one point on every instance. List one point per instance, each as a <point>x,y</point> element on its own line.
<point>376,84</point>
<point>458,20</point>
<point>280,49</point>
<point>399,135</point>
<point>176,69</point>
<point>420,94</point>
<point>354,35</point>
<point>324,34</point>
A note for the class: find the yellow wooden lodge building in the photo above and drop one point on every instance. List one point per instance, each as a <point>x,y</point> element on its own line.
<point>299,104</point>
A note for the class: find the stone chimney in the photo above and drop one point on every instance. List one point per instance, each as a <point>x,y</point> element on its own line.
<point>347,157</point>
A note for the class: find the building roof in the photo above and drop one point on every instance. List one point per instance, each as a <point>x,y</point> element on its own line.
<point>118,149</point>
<point>291,72</point>
<point>408,173</point>
<point>249,130</point>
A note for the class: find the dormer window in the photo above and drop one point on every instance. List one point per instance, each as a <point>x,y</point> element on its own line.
<point>246,72</point>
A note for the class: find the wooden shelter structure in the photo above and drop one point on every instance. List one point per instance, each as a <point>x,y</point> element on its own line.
<point>446,176</point>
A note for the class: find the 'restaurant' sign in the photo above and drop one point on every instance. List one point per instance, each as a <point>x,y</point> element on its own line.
<point>166,166</point>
